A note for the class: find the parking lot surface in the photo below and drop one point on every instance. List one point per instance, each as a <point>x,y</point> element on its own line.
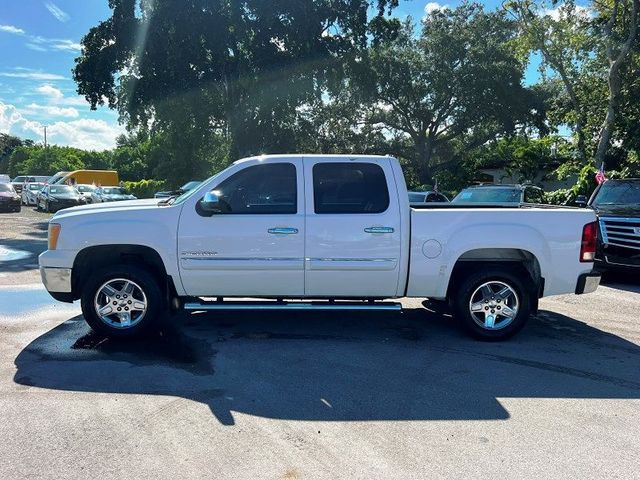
<point>315,395</point>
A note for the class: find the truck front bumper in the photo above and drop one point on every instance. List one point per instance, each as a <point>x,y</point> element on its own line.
<point>588,282</point>
<point>56,279</point>
<point>56,273</point>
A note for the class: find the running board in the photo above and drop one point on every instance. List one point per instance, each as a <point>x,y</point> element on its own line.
<point>392,306</point>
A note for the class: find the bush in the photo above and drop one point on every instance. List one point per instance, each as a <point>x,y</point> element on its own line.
<point>145,188</point>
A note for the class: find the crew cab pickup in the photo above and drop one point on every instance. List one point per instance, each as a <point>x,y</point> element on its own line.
<point>319,231</point>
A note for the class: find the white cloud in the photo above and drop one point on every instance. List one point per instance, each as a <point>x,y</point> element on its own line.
<point>84,133</point>
<point>12,121</point>
<point>50,91</point>
<point>57,11</point>
<point>55,96</point>
<point>43,44</point>
<point>35,46</point>
<point>11,29</point>
<point>66,45</point>
<point>32,75</point>
<point>50,110</point>
<point>431,7</point>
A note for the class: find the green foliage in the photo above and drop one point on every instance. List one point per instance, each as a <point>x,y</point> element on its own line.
<point>584,186</point>
<point>451,88</point>
<point>198,70</point>
<point>8,143</point>
<point>145,188</point>
<point>37,160</point>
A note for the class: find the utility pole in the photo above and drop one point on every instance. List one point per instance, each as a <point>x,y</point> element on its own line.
<point>46,151</point>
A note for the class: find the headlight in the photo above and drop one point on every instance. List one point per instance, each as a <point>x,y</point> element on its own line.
<point>54,233</point>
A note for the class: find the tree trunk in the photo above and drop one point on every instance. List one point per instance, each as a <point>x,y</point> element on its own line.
<point>424,151</point>
<point>609,120</point>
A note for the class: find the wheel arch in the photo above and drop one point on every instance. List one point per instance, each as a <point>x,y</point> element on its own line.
<point>91,258</point>
<point>520,260</point>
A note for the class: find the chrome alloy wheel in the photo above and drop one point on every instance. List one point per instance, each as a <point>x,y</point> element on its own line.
<point>494,305</point>
<point>120,303</point>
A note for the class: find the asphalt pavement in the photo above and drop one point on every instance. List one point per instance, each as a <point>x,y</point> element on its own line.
<point>301,395</point>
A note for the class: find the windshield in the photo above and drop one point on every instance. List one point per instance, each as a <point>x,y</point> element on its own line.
<point>489,195</point>
<point>618,193</point>
<point>189,186</point>
<point>4,187</point>
<point>85,188</point>
<point>114,191</point>
<point>35,186</point>
<point>62,189</point>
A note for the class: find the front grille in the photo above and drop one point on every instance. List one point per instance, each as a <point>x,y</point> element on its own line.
<point>621,232</point>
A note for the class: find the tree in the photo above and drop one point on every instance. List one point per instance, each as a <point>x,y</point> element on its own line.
<point>459,82</point>
<point>236,68</point>
<point>583,46</point>
<point>8,143</point>
<point>565,42</point>
<point>619,32</point>
<point>36,160</point>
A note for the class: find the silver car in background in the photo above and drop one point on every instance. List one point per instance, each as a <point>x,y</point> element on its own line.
<point>30,193</point>
<point>88,192</point>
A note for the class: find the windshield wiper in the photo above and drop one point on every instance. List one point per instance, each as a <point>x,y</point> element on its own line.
<point>168,200</point>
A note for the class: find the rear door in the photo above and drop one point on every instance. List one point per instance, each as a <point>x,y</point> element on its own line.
<point>353,239</point>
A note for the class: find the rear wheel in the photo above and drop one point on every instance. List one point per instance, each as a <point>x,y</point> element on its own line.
<point>122,301</point>
<point>492,304</point>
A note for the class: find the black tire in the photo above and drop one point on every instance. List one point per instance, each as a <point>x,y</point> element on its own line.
<point>465,289</point>
<point>156,300</point>
<point>18,209</point>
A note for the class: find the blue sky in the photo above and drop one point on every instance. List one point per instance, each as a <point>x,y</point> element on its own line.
<point>39,40</point>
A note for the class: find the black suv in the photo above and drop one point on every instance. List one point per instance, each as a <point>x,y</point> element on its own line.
<point>617,204</point>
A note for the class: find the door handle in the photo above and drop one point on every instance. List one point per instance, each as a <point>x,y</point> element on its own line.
<point>283,231</point>
<point>379,230</point>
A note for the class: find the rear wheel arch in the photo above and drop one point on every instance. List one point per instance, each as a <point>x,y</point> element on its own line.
<point>515,260</point>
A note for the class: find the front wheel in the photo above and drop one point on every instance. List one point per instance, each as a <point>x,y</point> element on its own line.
<point>493,304</point>
<point>122,301</point>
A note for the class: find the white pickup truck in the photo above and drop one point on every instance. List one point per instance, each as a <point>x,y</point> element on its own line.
<point>314,231</point>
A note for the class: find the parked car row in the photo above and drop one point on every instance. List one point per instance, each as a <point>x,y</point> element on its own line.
<point>56,197</point>
<point>488,194</point>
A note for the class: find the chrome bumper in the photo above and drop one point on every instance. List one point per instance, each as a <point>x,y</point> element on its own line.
<point>56,279</point>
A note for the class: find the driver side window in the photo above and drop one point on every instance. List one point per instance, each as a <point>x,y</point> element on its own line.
<point>260,189</point>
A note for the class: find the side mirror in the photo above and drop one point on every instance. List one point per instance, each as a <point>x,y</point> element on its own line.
<point>211,203</point>
<point>581,201</point>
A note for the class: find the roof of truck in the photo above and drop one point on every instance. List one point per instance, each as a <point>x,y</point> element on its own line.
<point>351,156</point>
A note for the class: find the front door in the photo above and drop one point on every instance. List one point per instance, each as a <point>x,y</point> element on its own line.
<point>255,245</point>
<point>353,228</point>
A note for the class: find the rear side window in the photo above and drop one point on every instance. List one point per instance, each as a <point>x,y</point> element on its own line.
<point>349,188</point>
<point>260,189</point>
